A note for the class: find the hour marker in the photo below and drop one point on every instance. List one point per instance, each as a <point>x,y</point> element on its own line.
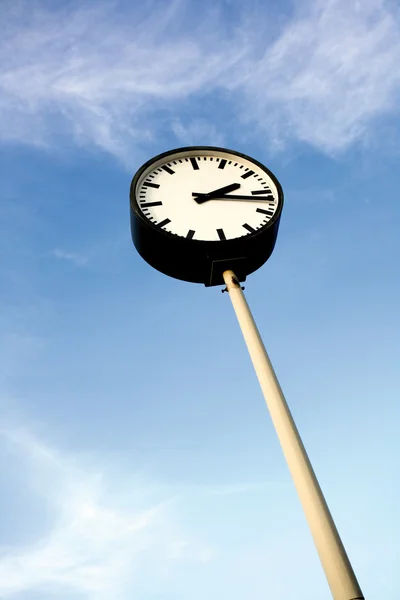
<point>165,222</point>
<point>248,227</point>
<point>265,212</point>
<point>260,192</point>
<point>149,204</point>
<point>194,164</point>
<point>221,234</point>
<point>248,174</point>
<point>222,164</point>
<point>168,170</point>
<point>149,184</point>
<point>190,234</point>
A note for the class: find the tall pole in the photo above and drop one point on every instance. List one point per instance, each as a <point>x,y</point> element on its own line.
<point>335,562</point>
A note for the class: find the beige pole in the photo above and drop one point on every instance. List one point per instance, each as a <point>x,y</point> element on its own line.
<point>338,570</point>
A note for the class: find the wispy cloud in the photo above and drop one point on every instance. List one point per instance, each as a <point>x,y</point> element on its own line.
<point>76,258</point>
<point>102,542</point>
<point>333,70</point>
<point>99,74</point>
<point>197,132</point>
<point>110,534</point>
<point>232,489</point>
<point>118,80</point>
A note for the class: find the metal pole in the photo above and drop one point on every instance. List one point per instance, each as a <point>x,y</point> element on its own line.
<point>338,570</point>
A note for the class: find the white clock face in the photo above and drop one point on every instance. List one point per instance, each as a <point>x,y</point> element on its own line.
<point>210,195</point>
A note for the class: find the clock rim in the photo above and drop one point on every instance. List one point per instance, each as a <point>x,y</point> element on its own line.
<point>210,243</point>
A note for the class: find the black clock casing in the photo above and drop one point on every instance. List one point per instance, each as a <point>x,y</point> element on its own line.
<point>199,261</point>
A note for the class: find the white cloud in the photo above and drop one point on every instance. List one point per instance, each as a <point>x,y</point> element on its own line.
<point>78,259</point>
<point>110,534</point>
<point>98,73</point>
<point>333,69</point>
<point>103,541</point>
<point>117,79</point>
<point>197,132</point>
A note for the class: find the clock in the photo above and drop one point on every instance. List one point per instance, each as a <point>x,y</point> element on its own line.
<point>200,210</point>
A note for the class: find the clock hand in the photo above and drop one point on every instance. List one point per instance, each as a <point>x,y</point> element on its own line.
<point>200,198</point>
<point>217,193</point>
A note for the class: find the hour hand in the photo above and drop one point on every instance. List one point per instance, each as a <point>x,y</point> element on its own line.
<point>200,197</point>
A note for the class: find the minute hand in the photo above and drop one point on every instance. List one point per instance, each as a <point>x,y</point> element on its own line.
<point>200,198</point>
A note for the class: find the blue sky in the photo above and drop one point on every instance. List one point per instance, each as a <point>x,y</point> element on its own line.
<point>138,457</point>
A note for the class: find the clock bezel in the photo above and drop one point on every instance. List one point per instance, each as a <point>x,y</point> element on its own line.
<point>191,150</point>
<point>202,261</point>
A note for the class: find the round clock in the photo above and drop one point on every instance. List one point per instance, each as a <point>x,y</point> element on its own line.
<point>200,210</point>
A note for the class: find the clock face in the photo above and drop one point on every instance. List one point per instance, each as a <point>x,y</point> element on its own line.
<point>206,194</point>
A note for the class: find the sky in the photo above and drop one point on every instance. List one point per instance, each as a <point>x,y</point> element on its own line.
<point>138,456</point>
